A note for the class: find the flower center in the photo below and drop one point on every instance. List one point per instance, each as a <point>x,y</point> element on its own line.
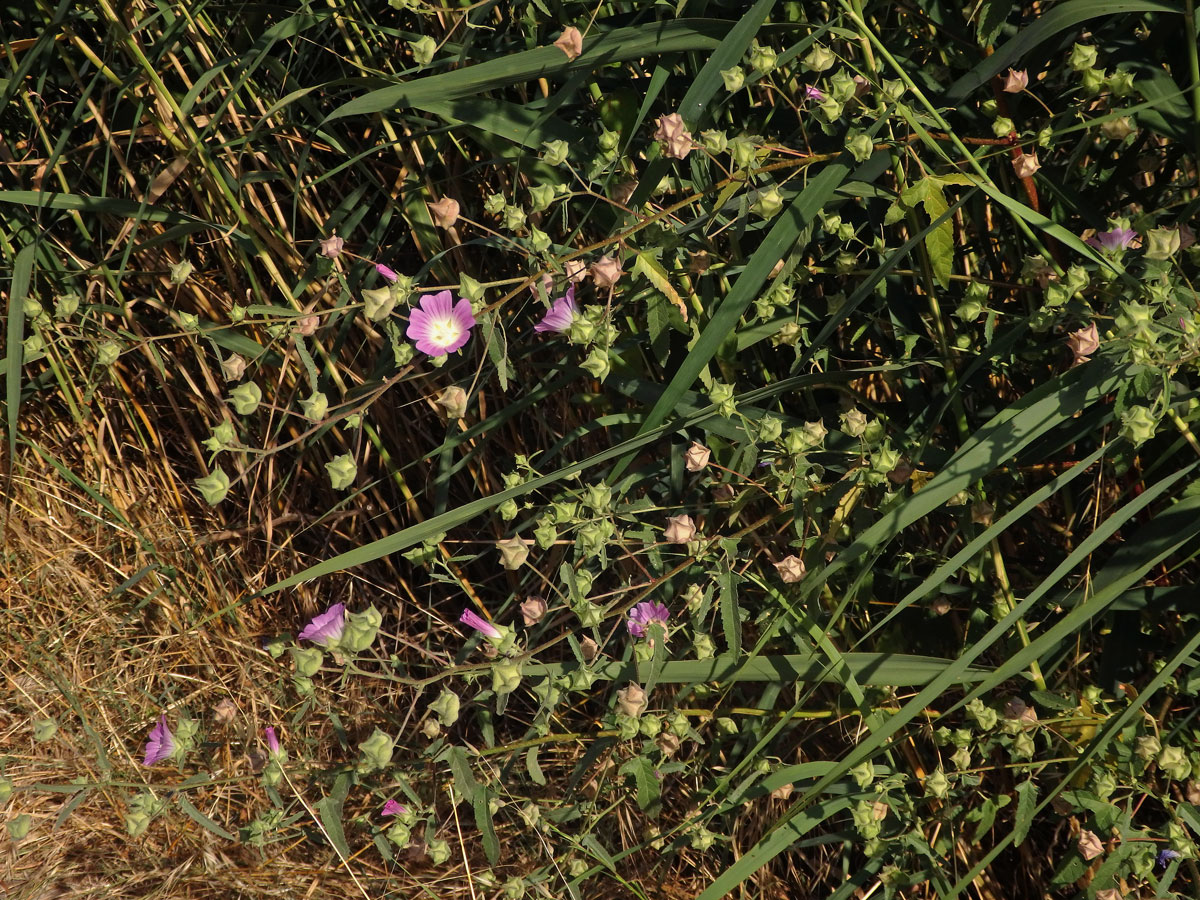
<point>444,331</point>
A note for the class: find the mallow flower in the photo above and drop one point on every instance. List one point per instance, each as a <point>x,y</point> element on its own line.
<point>1113,241</point>
<point>161,743</point>
<point>392,808</point>
<point>480,624</point>
<point>561,315</point>
<point>643,615</point>
<point>327,628</point>
<point>440,326</point>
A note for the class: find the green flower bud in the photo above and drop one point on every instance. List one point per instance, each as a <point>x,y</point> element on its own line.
<point>361,630</point>
<point>376,753</point>
<point>597,364</point>
<point>1162,243</point>
<point>854,422</point>
<point>1120,83</point>
<point>860,147</point>
<point>1003,126</point>
<point>583,583</point>
<point>33,346</point>
<point>439,851</point>
<point>307,661</point>
<point>734,78</point>
<point>110,351</point>
<point>546,533</point>
<point>598,498</point>
<point>1103,783</point>
<point>213,487</point>
<point>542,196</point>
<point>1092,82</point>
<point>1117,129</point>
<point>863,774</point>
<point>1148,747</point>
<point>1023,746</point>
<point>969,310</point>
<point>768,204</point>
<point>714,141</point>
<point>65,306</point>
<point>704,647</point>
<point>423,49</point>
<point>539,240</point>
<point>303,685</point>
<point>893,90</point>
<point>514,218</point>
<point>508,510</point>
<point>820,58</point>
<point>506,677</point>
<point>1138,425</point>
<point>725,725</point>
<point>721,395</point>
<point>495,204</point>
<point>237,313</point>
<point>446,707</point>
<point>1174,763</point>
<point>1082,57</point>
<point>937,785</point>
<point>31,308</point>
<point>44,729</point>
<point>702,839</point>
<point>555,153</point>
<point>399,833</point>
<point>830,109</point>
<point>180,272</point>
<point>762,59</point>
<point>769,429</point>
<point>744,152</point>
<point>378,303</point>
<point>609,141</point>
<point>884,459</point>
<point>315,407</point>
<point>245,398</point>
<point>593,537</point>
<point>342,471</point>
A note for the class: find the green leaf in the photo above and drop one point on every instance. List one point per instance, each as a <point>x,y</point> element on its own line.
<point>648,789</point>
<point>487,830</point>
<point>1023,818</point>
<point>939,243</point>
<point>209,825</point>
<point>329,809</point>
<point>22,275</point>
<point>730,621</point>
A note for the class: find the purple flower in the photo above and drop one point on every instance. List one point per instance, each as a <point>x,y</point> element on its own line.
<point>392,808</point>
<point>326,628</point>
<point>483,626</point>
<point>1165,856</point>
<point>387,273</point>
<point>161,743</point>
<point>814,93</point>
<point>560,315</point>
<point>644,615</point>
<point>1112,241</point>
<point>272,741</point>
<point>440,326</point>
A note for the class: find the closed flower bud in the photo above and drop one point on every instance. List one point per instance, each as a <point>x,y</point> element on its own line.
<point>1162,243</point>
<point>342,471</point>
<point>768,204</point>
<point>734,78</point>
<point>1174,763</point>
<point>762,59</point>
<point>703,647</point>
<point>315,407</point>
<point>444,212</point>
<point>506,677</point>
<point>1082,57</point>
<point>332,246</point>
<point>1015,81</point>
<point>1026,164</point>
<point>180,272</point>
<point>378,303</point>
<point>937,785</point>
<point>854,422</point>
<point>696,458</point>
<point>1117,129</point>
<point>632,700</point>
<point>1138,425</point>
<point>555,152</point>
<point>233,368</point>
<point>714,141</point>
<point>791,569</point>
<point>820,58</point>
<point>680,529</point>
<point>213,487</point>
<point>860,147</point>
<point>453,400</point>
<point>532,610</point>
<point>513,553</point>
<point>570,42</point>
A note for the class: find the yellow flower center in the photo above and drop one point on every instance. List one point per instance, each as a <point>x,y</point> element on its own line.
<point>444,331</point>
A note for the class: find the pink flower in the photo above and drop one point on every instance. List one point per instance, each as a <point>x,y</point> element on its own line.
<point>483,626</point>
<point>161,743</point>
<point>387,273</point>
<point>644,615</point>
<point>392,808</point>
<point>814,93</point>
<point>327,627</point>
<point>440,326</point>
<point>1112,241</point>
<point>560,315</point>
<point>272,741</point>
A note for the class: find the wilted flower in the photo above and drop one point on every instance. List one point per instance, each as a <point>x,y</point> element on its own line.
<point>606,272</point>
<point>570,42</point>
<point>1015,81</point>
<point>483,626</point>
<point>561,315</point>
<point>306,326</point>
<point>644,615</point>
<point>513,553</point>
<point>445,212</point>
<point>454,401</point>
<point>392,808</point>
<point>326,628</point>
<point>791,569</point>
<point>532,610</point>
<point>332,246</point>
<point>679,530</point>
<point>632,700</point>
<point>161,743</point>
<point>696,457</point>
<point>388,275</point>
<point>440,326</point>
<point>1090,846</point>
<point>1026,164</point>
<point>234,368</point>
<point>1112,241</point>
<point>576,270</point>
<point>589,648</point>
<point>224,712</point>
<point>1083,343</point>
<point>676,140</point>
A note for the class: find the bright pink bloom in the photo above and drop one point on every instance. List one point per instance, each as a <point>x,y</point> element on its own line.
<point>272,741</point>
<point>483,626</point>
<point>392,808</point>
<point>814,93</point>
<point>560,315</point>
<point>387,273</point>
<point>327,627</point>
<point>440,326</point>
<point>1112,241</point>
<point>644,615</point>
<point>161,743</point>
